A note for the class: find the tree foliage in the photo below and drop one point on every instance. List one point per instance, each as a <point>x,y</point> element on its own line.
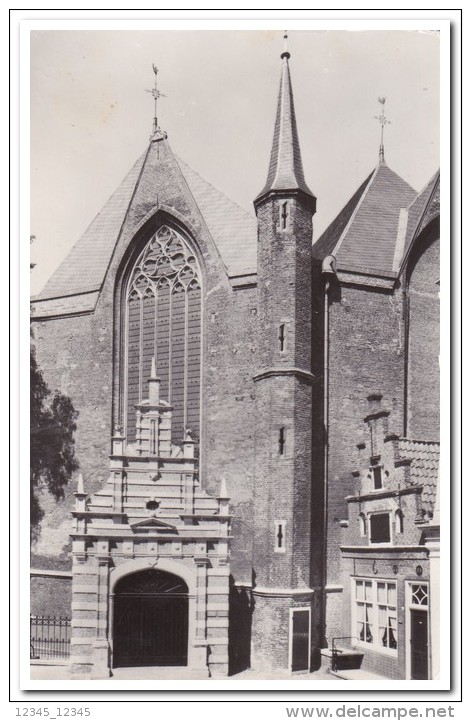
<point>53,458</point>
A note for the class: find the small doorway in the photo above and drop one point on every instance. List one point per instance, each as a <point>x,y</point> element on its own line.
<point>300,639</point>
<point>150,620</point>
<point>417,631</point>
<point>419,644</point>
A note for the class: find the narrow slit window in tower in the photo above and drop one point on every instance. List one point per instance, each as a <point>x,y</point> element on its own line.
<point>280,536</point>
<point>281,441</point>
<point>281,337</point>
<point>284,214</point>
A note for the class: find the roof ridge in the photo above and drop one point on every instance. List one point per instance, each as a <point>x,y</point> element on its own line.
<point>203,219</point>
<point>125,214</point>
<point>226,197</point>
<point>355,211</point>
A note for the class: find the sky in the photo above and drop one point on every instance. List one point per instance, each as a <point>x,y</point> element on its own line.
<point>91,116</point>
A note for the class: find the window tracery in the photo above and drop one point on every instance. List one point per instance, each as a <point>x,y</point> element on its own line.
<point>163,319</point>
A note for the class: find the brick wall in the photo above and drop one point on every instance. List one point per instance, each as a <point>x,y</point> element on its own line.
<point>51,596</point>
<point>366,348</point>
<point>423,407</point>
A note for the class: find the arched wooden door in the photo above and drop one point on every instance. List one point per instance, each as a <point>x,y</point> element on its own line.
<point>150,620</point>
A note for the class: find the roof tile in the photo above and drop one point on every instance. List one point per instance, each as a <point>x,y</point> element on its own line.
<point>424,470</point>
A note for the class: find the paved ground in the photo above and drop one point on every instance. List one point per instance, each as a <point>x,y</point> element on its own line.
<point>61,673</point>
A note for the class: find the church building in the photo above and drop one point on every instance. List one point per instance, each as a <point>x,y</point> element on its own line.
<point>258,429</point>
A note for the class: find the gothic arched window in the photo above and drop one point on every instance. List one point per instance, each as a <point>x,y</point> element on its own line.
<point>163,319</point>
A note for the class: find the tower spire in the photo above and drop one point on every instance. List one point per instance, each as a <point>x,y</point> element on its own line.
<point>285,171</point>
<point>382,121</point>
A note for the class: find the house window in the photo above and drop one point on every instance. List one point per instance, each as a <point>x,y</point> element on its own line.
<point>377,477</point>
<point>380,528</point>
<point>419,594</point>
<point>374,614</point>
<point>362,520</point>
<point>280,536</point>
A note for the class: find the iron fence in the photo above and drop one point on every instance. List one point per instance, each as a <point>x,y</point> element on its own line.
<point>49,637</point>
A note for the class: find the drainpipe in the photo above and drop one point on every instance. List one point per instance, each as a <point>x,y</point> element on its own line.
<point>329,268</point>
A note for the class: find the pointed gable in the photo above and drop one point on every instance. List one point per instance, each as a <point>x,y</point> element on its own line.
<point>156,179</point>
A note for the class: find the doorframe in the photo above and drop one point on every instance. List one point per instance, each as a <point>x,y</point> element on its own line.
<point>410,606</point>
<point>292,611</point>
<point>184,572</point>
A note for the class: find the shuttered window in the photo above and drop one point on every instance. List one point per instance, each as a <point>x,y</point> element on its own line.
<point>163,319</point>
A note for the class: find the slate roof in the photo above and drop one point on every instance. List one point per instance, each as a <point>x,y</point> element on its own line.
<point>417,210</point>
<point>84,268</point>
<point>364,235</point>
<point>329,239</point>
<point>424,469</point>
<point>285,171</point>
<point>233,230</point>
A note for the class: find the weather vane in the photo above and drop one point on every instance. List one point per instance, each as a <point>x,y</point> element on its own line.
<point>156,94</point>
<point>382,121</point>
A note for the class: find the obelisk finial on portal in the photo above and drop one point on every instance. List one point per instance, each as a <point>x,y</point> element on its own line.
<point>154,385</point>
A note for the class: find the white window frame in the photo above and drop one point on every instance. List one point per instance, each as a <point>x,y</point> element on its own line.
<point>374,620</point>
